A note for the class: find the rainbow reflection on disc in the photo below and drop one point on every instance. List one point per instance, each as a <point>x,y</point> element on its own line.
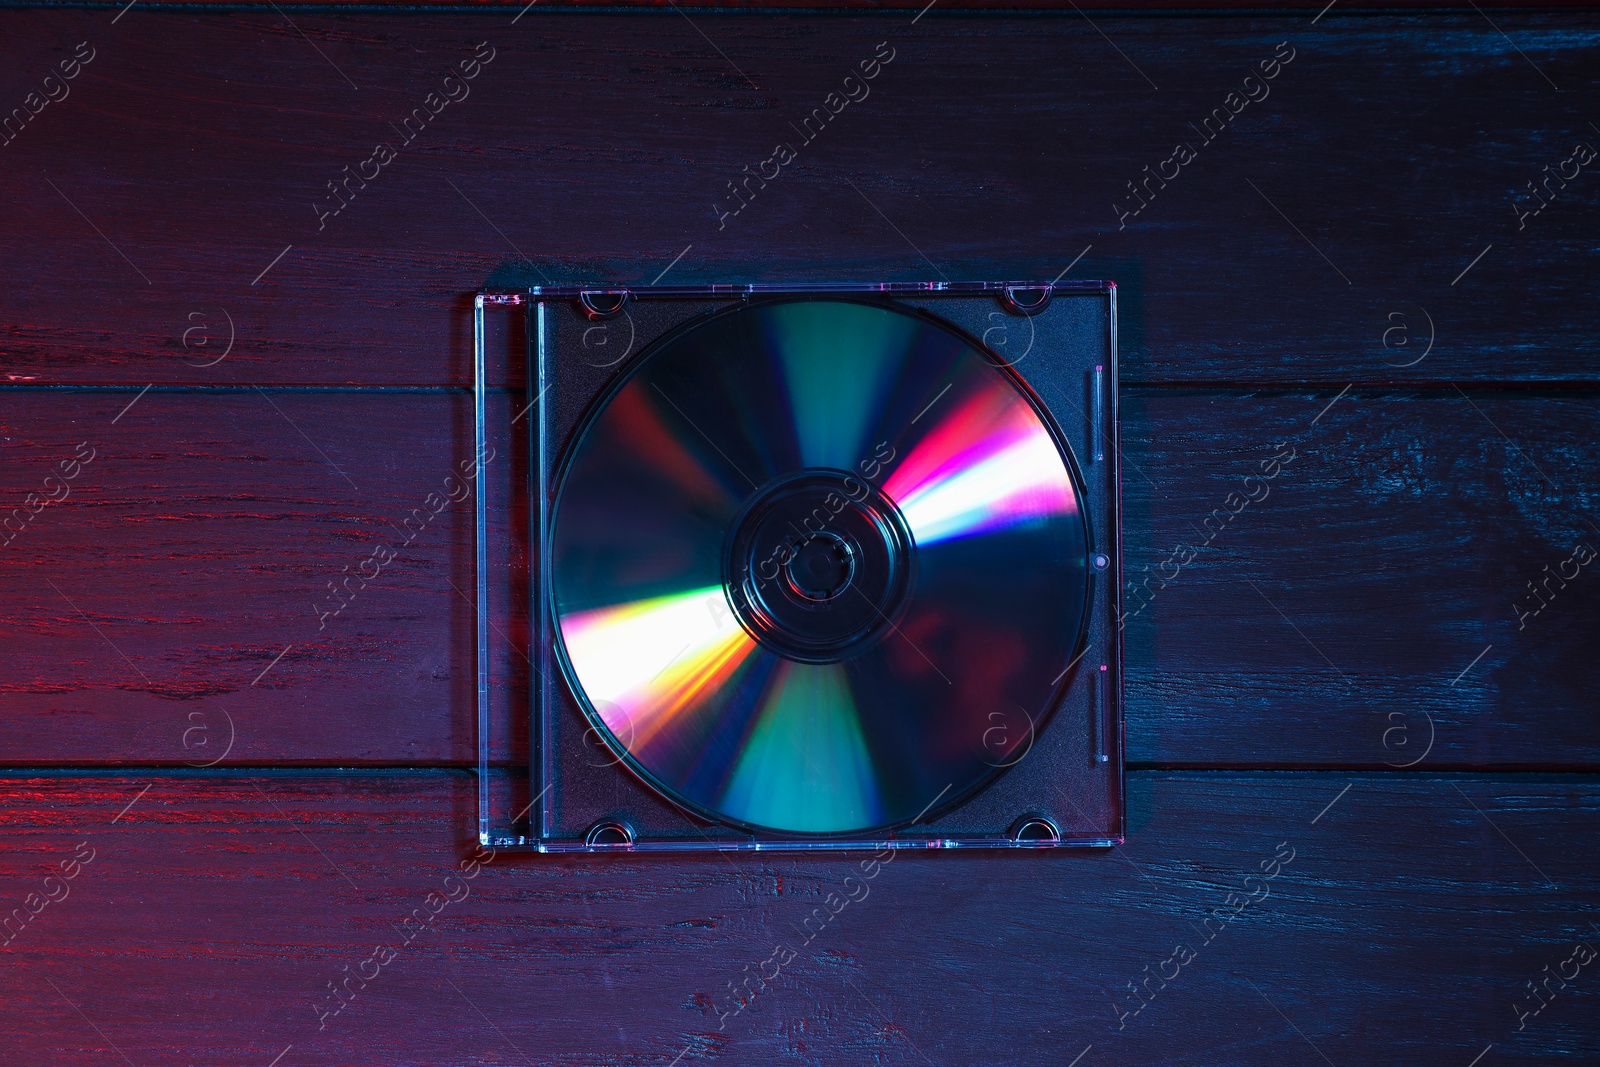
<point>809,560</point>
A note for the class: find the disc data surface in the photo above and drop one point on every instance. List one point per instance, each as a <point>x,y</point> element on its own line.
<point>817,564</point>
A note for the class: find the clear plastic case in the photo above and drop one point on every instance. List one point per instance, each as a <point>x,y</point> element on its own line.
<point>567,785</point>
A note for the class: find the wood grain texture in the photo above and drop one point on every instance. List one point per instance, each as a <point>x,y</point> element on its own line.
<point>1341,272</point>
<point>152,601</point>
<point>1392,549</point>
<point>1354,607</point>
<point>190,155</point>
<point>214,912</point>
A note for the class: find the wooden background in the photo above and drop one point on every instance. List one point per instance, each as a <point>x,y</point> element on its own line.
<point>1361,618</point>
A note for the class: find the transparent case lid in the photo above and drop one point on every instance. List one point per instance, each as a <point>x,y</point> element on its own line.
<point>570,759</point>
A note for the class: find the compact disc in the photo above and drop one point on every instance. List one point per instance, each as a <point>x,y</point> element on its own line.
<point>817,566</point>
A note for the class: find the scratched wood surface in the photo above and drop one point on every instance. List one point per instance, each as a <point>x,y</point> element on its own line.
<point>1354,267</point>
<point>213,915</point>
<point>1385,157</point>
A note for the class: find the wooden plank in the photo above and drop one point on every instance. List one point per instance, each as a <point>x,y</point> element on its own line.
<point>175,587</point>
<point>1354,605</point>
<point>174,188</point>
<point>250,895</point>
<point>193,576</point>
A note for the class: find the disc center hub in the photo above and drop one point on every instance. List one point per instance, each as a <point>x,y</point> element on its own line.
<point>818,565</point>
